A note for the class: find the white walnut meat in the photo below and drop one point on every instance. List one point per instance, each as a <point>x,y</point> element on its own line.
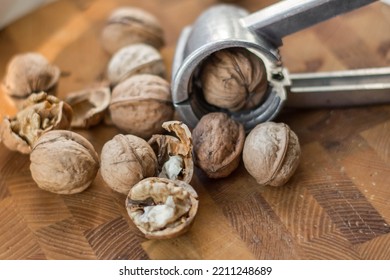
<point>174,153</point>
<point>130,25</point>
<point>141,104</point>
<point>135,59</point>
<point>162,208</point>
<point>89,106</point>
<point>126,160</point>
<point>271,153</point>
<point>218,142</point>
<point>40,113</point>
<point>28,73</point>
<point>234,79</point>
<point>63,162</point>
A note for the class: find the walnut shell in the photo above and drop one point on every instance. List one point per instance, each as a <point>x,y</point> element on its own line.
<point>234,79</point>
<point>174,153</point>
<point>63,162</point>
<point>135,59</point>
<point>162,208</point>
<point>130,25</point>
<point>271,153</point>
<point>218,143</point>
<point>40,113</point>
<point>141,104</point>
<point>30,73</point>
<point>89,106</point>
<point>126,160</point>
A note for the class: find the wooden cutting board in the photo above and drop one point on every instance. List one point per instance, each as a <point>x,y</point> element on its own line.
<point>337,205</point>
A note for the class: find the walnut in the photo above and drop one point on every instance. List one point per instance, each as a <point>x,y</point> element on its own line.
<point>141,104</point>
<point>40,113</point>
<point>271,153</point>
<point>63,162</point>
<point>162,208</point>
<point>130,25</point>
<point>233,79</point>
<point>218,143</point>
<point>126,160</point>
<point>30,73</point>
<point>174,153</point>
<point>135,59</point>
<point>89,106</point>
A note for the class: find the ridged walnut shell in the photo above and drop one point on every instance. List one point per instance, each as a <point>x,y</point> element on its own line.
<point>141,104</point>
<point>162,208</point>
<point>126,160</point>
<point>130,25</point>
<point>63,162</point>
<point>218,143</point>
<point>271,153</point>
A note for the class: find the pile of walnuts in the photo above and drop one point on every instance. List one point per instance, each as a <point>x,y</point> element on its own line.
<point>152,158</point>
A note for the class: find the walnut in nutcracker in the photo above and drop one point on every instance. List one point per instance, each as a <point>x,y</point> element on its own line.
<point>218,143</point>
<point>271,153</point>
<point>130,25</point>
<point>141,104</point>
<point>162,208</point>
<point>63,162</point>
<point>233,79</point>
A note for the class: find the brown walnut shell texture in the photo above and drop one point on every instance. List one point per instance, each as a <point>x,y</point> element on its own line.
<point>162,208</point>
<point>141,104</point>
<point>271,153</point>
<point>63,162</point>
<point>40,113</point>
<point>130,25</point>
<point>234,79</point>
<point>218,143</point>
<point>126,160</point>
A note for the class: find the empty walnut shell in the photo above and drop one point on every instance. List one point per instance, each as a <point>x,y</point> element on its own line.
<point>89,106</point>
<point>30,73</point>
<point>129,25</point>
<point>63,162</point>
<point>162,208</point>
<point>135,59</point>
<point>126,160</point>
<point>40,113</point>
<point>174,153</point>
<point>218,143</point>
<point>141,104</point>
<point>234,79</point>
<point>271,153</point>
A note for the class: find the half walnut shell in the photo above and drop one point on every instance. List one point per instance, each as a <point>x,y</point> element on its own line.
<point>162,208</point>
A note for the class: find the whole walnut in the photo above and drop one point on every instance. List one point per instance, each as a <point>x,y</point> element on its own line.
<point>130,25</point>
<point>40,113</point>
<point>233,79</point>
<point>126,160</point>
<point>63,162</point>
<point>135,59</point>
<point>218,143</point>
<point>271,153</point>
<point>141,104</point>
<point>162,208</point>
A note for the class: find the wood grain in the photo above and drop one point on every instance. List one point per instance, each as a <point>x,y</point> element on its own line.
<point>336,206</point>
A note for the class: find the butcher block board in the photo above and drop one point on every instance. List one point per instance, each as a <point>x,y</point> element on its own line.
<point>336,206</point>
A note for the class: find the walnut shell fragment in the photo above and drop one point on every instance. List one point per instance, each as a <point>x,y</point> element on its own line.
<point>218,143</point>
<point>162,208</point>
<point>89,106</point>
<point>126,160</point>
<point>174,153</point>
<point>63,162</point>
<point>40,113</point>
<point>141,104</point>
<point>130,25</point>
<point>271,153</point>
